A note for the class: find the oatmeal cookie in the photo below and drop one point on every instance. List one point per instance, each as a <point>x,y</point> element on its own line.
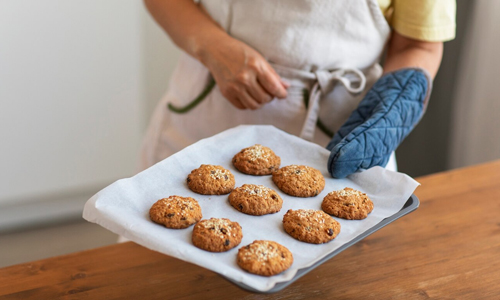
<point>255,200</point>
<point>347,204</point>
<point>265,258</point>
<point>257,160</point>
<point>299,181</point>
<point>310,226</point>
<point>217,235</point>
<point>176,212</point>
<point>211,180</point>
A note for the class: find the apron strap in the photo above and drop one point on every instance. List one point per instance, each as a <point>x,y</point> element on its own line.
<point>196,101</point>
<point>309,126</point>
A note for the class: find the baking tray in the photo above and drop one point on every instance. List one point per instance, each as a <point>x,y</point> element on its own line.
<point>411,204</point>
<point>123,206</point>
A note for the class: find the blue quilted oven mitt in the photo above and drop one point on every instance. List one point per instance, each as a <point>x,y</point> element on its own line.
<point>386,115</point>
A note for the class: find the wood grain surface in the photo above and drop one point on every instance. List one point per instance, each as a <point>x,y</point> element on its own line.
<point>449,248</point>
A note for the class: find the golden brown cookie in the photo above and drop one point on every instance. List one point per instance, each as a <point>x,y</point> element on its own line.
<point>347,204</point>
<point>176,212</point>
<point>310,226</point>
<point>299,181</point>
<point>257,160</point>
<point>255,200</point>
<point>217,235</point>
<point>265,258</point>
<point>211,180</point>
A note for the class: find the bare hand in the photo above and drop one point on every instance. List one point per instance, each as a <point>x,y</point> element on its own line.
<point>244,77</point>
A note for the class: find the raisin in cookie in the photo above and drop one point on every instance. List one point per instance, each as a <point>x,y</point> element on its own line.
<point>256,160</point>
<point>176,212</point>
<point>310,226</point>
<point>255,200</point>
<point>265,258</point>
<point>347,204</point>
<point>299,181</point>
<point>217,235</point>
<point>211,180</point>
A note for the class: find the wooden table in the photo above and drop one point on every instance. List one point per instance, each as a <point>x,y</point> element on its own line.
<point>449,248</point>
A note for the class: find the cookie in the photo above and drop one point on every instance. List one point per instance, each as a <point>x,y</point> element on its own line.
<point>310,226</point>
<point>347,204</point>
<point>265,258</point>
<point>299,181</point>
<point>176,212</point>
<point>255,200</point>
<point>211,180</point>
<point>256,160</point>
<point>216,235</point>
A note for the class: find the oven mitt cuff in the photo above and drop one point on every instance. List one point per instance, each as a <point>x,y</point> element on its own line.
<point>386,115</point>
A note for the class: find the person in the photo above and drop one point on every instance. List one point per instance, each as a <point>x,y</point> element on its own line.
<point>308,67</point>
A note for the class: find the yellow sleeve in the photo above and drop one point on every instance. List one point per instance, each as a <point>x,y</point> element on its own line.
<point>425,20</point>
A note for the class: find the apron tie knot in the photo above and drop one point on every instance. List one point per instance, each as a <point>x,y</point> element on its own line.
<point>352,79</point>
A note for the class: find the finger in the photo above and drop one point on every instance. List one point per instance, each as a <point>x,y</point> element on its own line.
<point>248,101</point>
<point>235,102</point>
<point>230,93</point>
<point>258,93</point>
<point>272,83</point>
<point>233,99</point>
<point>285,83</point>
<point>238,104</point>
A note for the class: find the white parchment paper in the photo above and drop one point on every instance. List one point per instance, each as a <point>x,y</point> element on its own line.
<point>123,207</point>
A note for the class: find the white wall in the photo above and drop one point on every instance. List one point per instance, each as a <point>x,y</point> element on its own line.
<point>159,58</point>
<point>78,80</point>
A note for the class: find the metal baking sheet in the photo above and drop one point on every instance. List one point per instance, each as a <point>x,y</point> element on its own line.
<point>412,204</point>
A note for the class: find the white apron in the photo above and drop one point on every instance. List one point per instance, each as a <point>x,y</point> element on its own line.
<point>328,50</point>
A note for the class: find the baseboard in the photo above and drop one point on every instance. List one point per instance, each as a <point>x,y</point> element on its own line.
<point>47,210</point>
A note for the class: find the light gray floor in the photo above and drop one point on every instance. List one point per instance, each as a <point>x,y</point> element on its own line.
<point>30,245</point>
